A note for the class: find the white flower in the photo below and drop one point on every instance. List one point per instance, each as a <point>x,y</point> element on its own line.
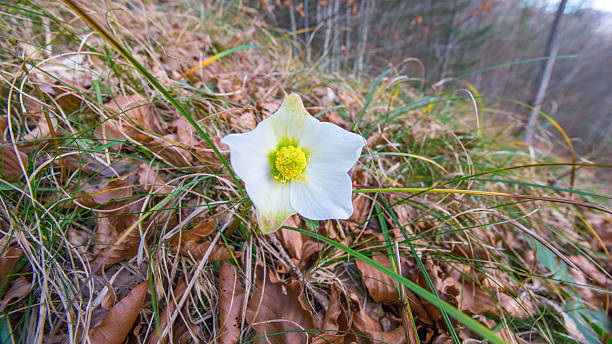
<point>292,163</point>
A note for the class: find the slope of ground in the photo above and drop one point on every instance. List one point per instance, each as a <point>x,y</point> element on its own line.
<point>121,221</point>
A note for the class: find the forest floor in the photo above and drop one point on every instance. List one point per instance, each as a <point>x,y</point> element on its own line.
<point>121,222</point>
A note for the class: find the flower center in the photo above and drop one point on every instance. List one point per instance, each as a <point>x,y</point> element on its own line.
<point>290,162</point>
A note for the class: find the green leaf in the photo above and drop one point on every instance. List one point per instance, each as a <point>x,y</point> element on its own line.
<point>312,224</point>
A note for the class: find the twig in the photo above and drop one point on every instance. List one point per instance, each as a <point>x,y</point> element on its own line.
<point>320,298</point>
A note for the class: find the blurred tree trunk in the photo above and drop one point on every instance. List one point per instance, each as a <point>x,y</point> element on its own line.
<point>335,42</point>
<point>293,26</point>
<point>318,15</point>
<point>328,33</point>
<point>365,7</point>
<point>552,48</point>
<point>307,33</point>
<point>349,29</point>
<point>337,36</point>
<point>359,35</point>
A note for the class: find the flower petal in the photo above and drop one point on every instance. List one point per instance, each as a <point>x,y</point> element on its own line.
<point>323,195</point>
<point>271,199</point>
<point>333,146</point>
<point>249,152</point>
<point>292,120</point>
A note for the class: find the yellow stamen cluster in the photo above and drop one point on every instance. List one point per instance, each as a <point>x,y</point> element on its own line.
<point>290,163</point>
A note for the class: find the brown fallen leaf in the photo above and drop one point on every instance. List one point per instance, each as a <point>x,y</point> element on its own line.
<point>311,249</point>
<point>150,179</point>
<point>207,154</point>
<point>333,117</point>
<point>424,311</point>
<point>371,329</point>
<point>602,225</point>
<point>517,307</point>
<point>231,299</point>
<point>10,257</point>
<point>406,216</point>
<point>20,287</point>
<point>595,278</point>
<point>244,122</point>
<point>466,294</point>
<point>473,299</point>
<point>350,100</point>
<point>278,312</point>
<point>9,165</point>
<point>180,330</point>
<point>179,58</point>
<point>41,129</point>
<point>171,150</point>
<point>119,320</point>
<point>184,132</point>
<point>68,68</point>
<point>361,203</point>
<point>114,225</point>
<point>104,193</point>
<point>130,116</point>
<point>63,93</point>
<point>291,239</point>
<point>335,320</point>
<point>269,105</point>
<point>379,137</point>
<point>380,286</point>
<point>232,82</point>
<point>110,299</point>
<point>195,242</point>
<point>115,213</point>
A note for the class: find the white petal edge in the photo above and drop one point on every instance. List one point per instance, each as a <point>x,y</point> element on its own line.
<point>249,152</point>
<point>291,121</point>
<point>272,202</point>
<point>323,195</point>
<point>333,147</point>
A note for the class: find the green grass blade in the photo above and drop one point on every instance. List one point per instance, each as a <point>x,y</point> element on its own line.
<point>430,284</point>
<point>369,99</point>
<point>395,263</point>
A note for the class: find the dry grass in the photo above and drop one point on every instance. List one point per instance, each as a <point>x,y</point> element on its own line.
<point>105,185</point>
